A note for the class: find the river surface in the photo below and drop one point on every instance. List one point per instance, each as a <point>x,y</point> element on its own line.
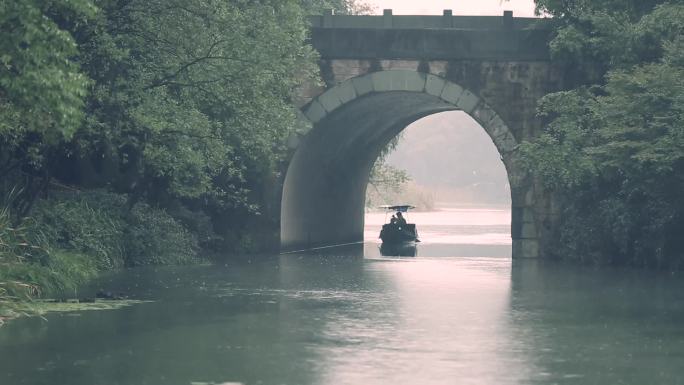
<point>456,310</point>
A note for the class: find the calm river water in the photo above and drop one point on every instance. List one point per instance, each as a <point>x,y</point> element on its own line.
<point>458,312</point>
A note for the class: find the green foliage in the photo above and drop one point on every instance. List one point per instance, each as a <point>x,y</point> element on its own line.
<point>351,7</point>
<point>194,96</point>
<point>155,238</point>
<point>388,177</point>
<point>63,271</point>
<point>41,87</point>
<point>22,283</point>
<point>615,149</point>
<point>98,224</point>
<point>171,103</point>
<point>89,223</point>
<point>17,242</point>
<point>189,102</point>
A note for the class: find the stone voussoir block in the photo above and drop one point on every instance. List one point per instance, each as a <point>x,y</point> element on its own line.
<point>315,112</point>
<point>330,99</point>
<point>483,114</point>
<point>434,85</point>
<point>363,85</point>
<point>508,142</point>
<point>452,93</point>
<point>346,92</point>
<point>468,101</point>
<point>497,127</point>
<point>398,80</point>
<point>414,81</point>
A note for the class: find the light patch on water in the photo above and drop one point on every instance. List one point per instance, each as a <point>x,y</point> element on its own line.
<point>216,383</point>
<point>459,226</point>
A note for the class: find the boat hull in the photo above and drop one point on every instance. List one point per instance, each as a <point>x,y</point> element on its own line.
<point>395,234</point>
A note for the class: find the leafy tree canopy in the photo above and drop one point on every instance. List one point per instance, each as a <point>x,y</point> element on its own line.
<point>615,143</point>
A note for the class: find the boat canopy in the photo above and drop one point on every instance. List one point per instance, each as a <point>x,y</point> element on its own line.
<point>400,208</point>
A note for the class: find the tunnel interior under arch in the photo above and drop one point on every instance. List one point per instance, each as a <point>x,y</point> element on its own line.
<point>325,185</point>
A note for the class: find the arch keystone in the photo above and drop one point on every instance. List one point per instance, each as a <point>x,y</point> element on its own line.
<point>398,80</point>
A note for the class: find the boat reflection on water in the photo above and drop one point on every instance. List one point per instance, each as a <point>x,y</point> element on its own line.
<point>398,250</point>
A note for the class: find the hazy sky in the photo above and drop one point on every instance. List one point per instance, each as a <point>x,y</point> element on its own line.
<point>520,8</point>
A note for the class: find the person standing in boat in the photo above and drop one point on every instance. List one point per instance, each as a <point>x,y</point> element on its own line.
<point>401,221</point>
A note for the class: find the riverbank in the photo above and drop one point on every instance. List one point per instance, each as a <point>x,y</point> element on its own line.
<point>70,238</point>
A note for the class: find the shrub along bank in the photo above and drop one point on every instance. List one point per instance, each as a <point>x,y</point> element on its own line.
<point>71,237</point>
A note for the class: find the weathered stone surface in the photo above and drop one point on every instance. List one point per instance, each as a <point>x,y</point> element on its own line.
<point>363,85</point>
<point>330,99</point>
<point>529,230</point>
<point>344,69</point>
<point>497,127</point>
<point>346,92</point>
<point>495,76</point>
<point>484,114</point>
<point>506,142</point>
<point>528,215</point>
<point>468,101</point>
<point>529,197</point>
<point>530,248</point>
<point>434,85</point>
<point>451,93</point>
<point>415,81</point>
<point>411,65</point>
<point>438,67</point>
<point>315,112</point>
<point>398,80</point>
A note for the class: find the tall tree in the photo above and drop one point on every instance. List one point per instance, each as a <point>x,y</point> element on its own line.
<point>614,145</point>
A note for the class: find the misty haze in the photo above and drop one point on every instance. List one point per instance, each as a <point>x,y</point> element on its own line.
<point>452,156</point>
<point>341,192</point>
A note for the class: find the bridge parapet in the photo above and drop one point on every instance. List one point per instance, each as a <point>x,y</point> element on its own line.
<point>445,21</point>
<point>444,37</point>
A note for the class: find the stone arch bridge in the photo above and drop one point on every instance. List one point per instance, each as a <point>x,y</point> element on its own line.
<point>381,74</point>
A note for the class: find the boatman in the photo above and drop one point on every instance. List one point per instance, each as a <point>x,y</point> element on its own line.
<point>400,219</point>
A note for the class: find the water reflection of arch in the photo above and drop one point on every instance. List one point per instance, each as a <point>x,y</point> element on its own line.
<point>324,190</point>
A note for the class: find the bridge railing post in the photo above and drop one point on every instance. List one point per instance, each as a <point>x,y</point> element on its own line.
<point>448,19</point>
<point>387,18</point>
<point>508,20</point>
<point>328,18</point>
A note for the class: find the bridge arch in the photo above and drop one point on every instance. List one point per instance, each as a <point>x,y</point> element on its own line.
<point>325,185</point>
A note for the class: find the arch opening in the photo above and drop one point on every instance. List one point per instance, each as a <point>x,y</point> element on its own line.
<point>324,190</point>
<point>457,182</point>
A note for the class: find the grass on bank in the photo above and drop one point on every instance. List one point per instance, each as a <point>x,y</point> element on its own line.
<point>70,238</point>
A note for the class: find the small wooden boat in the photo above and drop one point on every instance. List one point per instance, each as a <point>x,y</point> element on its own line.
<point>398,230</point>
